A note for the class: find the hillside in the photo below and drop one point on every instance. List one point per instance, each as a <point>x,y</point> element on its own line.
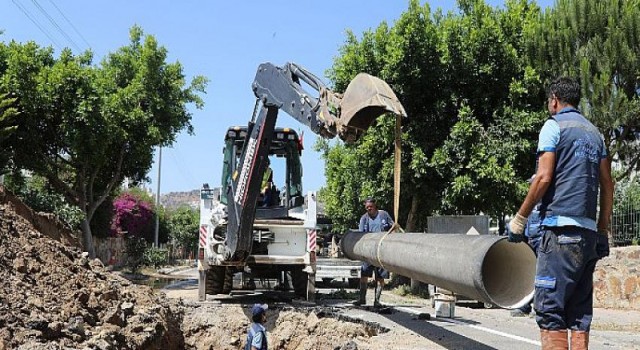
<point>173,200</point>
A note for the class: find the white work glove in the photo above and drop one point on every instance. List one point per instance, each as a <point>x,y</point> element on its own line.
<point>516,228</point>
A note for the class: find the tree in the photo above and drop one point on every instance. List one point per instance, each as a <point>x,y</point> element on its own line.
<point>7,126</point>
<point>491,147</point>
<point>407,57</point>
<point>463,83</point>
<point>597,42</point>
<point>183,228</point>
<point>85,128</point>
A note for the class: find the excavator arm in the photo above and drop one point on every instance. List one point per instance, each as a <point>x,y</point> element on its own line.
<point>328,114</point>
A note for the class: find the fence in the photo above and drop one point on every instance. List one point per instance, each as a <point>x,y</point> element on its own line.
<point>112,251</point>
<point>625,224</point>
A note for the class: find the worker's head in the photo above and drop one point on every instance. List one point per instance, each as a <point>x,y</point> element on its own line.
<point>259,312</point>
<point>370,206</point>
<point>563,92</point>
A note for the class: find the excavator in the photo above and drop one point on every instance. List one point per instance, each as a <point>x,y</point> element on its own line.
<point>239,232</point>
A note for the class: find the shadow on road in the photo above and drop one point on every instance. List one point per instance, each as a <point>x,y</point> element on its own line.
<point>435,330</point>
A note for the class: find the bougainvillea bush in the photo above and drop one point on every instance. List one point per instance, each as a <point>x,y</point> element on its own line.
<point>133,217</point>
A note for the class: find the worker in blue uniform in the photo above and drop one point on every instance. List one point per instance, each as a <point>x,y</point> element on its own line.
<point>257,334</point>
<point>573,166</point>
<point>374,220</point>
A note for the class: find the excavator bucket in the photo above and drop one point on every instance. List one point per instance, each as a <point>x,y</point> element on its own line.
<point>366,98</point>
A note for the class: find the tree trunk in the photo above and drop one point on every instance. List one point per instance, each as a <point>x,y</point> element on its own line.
<point>87,239</point>
<point>412,217</point>
<point>417,287</point>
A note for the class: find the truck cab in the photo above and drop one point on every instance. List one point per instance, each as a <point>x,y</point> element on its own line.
<point>284,154</point>
<point>284,229</point>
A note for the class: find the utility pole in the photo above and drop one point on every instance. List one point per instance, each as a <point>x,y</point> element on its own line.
<point>158,199</point>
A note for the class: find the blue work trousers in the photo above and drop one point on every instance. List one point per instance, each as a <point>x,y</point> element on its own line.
<point>366,270</point>
<point>564,278</point>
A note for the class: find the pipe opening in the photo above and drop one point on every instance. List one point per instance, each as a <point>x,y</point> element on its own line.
<point>508,273</point>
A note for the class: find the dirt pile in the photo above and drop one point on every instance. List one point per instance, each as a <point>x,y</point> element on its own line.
<point>53,297</point>
<point>224,327</point>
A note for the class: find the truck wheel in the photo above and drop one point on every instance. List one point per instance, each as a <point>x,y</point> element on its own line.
<point>215,279</point>
<point>354,283</point>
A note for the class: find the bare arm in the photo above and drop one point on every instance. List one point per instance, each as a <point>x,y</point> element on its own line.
<point>540,184</point>
<point>606,194</point>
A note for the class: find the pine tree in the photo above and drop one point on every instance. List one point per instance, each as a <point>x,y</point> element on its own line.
<point>597,41</point>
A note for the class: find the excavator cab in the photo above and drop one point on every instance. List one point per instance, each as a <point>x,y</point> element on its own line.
<point>284,191</point>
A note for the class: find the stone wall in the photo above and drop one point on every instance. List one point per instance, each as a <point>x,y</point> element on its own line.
<point>111,250</point>
<point>617,281</point>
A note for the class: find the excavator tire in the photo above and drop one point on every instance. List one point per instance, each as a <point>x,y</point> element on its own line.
<point>215,280</point>
<point>299,281</point>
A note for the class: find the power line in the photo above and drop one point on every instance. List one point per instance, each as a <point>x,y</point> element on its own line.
<point>55,24</point>
<point>34,21</point>
<point>70,24</point>
<point>186,174</point>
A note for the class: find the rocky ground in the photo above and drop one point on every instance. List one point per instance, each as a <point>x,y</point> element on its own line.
<point>53,297</point>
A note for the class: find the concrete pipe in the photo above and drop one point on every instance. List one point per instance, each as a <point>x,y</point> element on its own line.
<point>486,268</point>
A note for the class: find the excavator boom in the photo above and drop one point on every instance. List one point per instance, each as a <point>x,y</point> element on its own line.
<point>326,113</point>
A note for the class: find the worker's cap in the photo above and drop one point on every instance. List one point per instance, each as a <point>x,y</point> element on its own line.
<point>530,180</point>
<point>258,309</point>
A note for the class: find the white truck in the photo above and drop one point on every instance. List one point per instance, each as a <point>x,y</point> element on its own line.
<point>262,231</point>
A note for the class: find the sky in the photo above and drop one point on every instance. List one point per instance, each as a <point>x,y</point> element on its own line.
<point>224,41</point>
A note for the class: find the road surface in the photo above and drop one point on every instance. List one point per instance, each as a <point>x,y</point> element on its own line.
<point>473,327</point>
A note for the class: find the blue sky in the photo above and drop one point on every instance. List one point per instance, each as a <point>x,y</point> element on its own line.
<point>222,40</point>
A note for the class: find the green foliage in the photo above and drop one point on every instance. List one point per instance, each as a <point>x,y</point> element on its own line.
<point>156,257</point>
<point>135,248</point>
<point>598,42</point>
<point>37,194</point>
<point>85,127</point>
<point>183,224</point>
<point>626,211</point>
<point>627,195</point>
<point>473,111</point>
<point>402,290</point>
<point>8,114</point>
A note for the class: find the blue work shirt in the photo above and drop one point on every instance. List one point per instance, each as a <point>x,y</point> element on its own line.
<point>547,142</point>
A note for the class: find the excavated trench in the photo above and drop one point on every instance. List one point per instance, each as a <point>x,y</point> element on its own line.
<point>54,297</point>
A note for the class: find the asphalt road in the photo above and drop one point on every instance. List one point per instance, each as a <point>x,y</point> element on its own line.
<point>473,327</point>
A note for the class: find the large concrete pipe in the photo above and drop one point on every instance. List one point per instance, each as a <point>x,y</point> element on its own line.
<point>486,268</point>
